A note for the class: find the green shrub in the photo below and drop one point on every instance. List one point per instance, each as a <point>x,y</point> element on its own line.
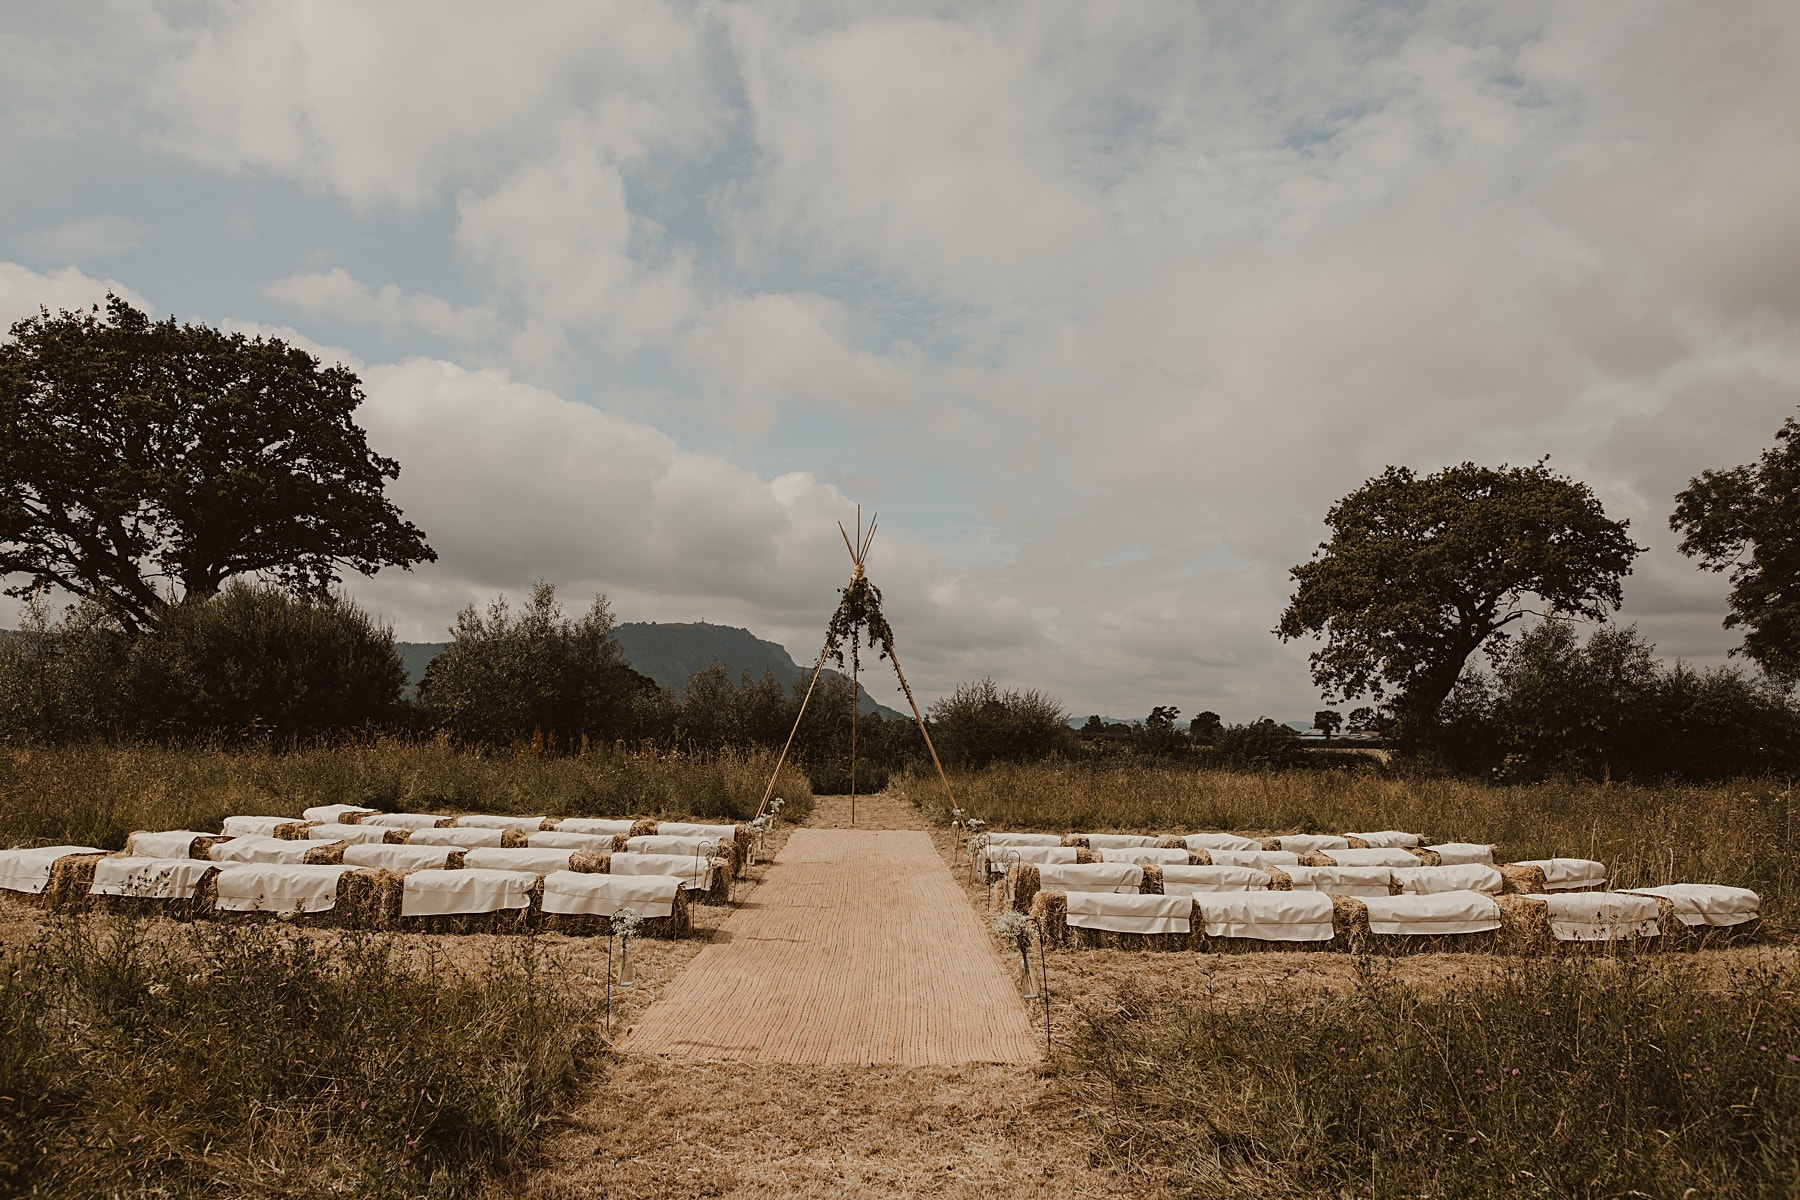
<point>203,1060</point>
<point>1262,745</point>
<point>533,677</point>
<point>833,778</point>
<point>1555,1078</point>
<point>980,724</point>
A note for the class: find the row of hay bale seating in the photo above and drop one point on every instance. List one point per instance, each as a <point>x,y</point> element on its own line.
<point>356,867</point>
<point>1388,891</point>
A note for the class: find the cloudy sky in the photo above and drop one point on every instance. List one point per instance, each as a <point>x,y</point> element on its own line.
<point>1101,305</point>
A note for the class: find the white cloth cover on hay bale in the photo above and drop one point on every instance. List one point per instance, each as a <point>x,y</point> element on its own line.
<point>327,814</point>
<point>1375,856</point>
<point>610,826</point>
<point>464,893</point>
<point>1707,903</point>
<point>1220,841</point>
<point>257,849</point>
<point>1600,916</point>
<point>467,839</point>
<point>533,862</point>
<point>1185,881</point>
<point>402,820</point>
<point>279,887</point>
<point>1310,843</point>
<point>356,835</point>
<point>497,821</point>
<point>150,878</point>
<point>1117,913</point>
<point>254,826</point>
<point>1262,860</point>
<point>692,869</point>
<point>171,843</point>
<point>556,839</point>
<point>1007,855</point>
<point>1090,877</point>
<point>572,892</point>
<point>1433,914</point>
<point>1023,839</point>
<point>29,870</point>
<point>1267,916</point>
<point>1341,881</point>
<point>1116,841</point>
<point>1387,839</point>
<point>721,833</point>
<point>1464,877</point>
<point>1142,854</point>
<point>657,844</point>
<point>408,857</point>
<point>1566,874</point>
<point>1455,853</point>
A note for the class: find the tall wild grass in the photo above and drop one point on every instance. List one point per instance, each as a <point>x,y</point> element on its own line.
<point>147,1058</point>
<point>96,794</point>
<point>1561,1078</point>
<point>1746,834</point>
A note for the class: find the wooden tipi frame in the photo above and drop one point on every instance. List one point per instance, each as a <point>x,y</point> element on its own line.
<point>858,612</point>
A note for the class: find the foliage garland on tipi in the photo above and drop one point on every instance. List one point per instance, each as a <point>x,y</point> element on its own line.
<point>858,618</point>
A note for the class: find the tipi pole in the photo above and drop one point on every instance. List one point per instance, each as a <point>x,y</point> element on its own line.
<point>907,688</point>
<point>798,717</point>
<point>853,706</point>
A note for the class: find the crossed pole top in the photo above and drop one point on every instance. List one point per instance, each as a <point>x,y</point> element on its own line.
<point>859,549</point>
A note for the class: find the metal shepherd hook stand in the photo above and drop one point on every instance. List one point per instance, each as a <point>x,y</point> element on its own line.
<point>858,617</point>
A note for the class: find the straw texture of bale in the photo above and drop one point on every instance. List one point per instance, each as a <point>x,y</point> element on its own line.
<point>1106,939</point>
<point>1200,858</point>
<point>355,906</point>
<point>549,824</point>
<point>1521,881</point>
<point>325,854</point>
<point>1349,923</point>
<point>1152,883</point>
<point>514,839</point>
<point>1524,926</point>
<point>1350,927</point>
<point>1171,842</point>
<point>679,923</point>
<point>723,873</point>
<point>1357,843</point>
<point>1083,854</point>
<point>1236,945</point>
<point>1026,882</point>
<point>1427,858</point>
<point>1270,843</point>
<point>70,877</point>
<point>589,863</point>
<point>644,828</point>
<point>1279,880</point>
<point>1050,912</point>
<point>294,830</point>
<point>1317,858</point>
<point>196,905</point>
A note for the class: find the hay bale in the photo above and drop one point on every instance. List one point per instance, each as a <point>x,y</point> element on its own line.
<point>1152,884</point>
<point>293,830</point>
<point>643,828</point>
<point>501,921</point>
<point>1083,854</point>
<point>549,824</point>
<point>1357,843</point>
<point>1519,880</point>
<point>326,853</point>
<point>679,923</point>
<point>1524,926</point>
<point>515,839</point>
<point>70,877</point>
<point>1168,842</point>
<point>1270,843</point>
<point>1279,880</point>
<point>1076,839</point>
<point>1025,886</point>
<point>1050,911</point>
<point>1428,858</point>
<point>1317,858</point>
<point>719,892</point>
<point>1199,858</point>
<point>588,862</point>
<point>1349,923</point>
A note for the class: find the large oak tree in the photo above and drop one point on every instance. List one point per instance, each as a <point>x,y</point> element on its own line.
<point>1421,571</point>
<point>141,459</point>
<point>1747,521</point>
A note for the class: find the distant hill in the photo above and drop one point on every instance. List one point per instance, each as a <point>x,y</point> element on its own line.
<point>674,652</point>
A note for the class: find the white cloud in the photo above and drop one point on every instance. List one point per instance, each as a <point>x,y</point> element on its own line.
<point>88,238</point>
<point>336,294</point>
<point>23,291</point>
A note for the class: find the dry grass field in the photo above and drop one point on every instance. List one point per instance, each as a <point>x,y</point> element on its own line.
<point>161,1059</point>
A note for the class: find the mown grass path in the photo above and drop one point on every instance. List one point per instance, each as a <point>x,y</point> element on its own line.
<point>857,949</point>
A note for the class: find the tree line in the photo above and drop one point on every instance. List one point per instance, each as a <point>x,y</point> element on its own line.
<point>200,494</point>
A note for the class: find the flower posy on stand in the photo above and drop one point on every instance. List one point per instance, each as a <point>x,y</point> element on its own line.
<point>625,924</point>
<point>1013,926</point>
